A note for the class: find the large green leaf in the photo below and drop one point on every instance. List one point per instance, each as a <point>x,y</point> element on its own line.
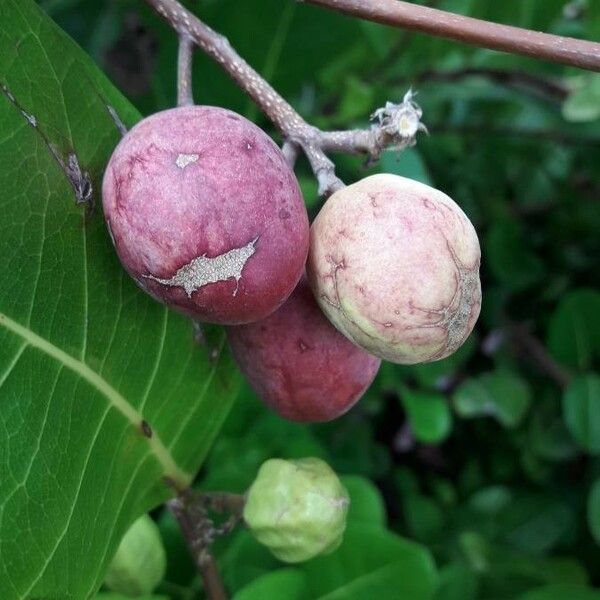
<point>104,395</point>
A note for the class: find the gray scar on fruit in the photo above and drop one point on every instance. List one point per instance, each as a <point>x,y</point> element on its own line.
<point>203,270</point>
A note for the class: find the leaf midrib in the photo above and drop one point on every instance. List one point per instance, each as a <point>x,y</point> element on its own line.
<point>157,446</point>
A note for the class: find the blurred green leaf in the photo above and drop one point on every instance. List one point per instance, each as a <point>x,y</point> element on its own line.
<point>440,373</point>
<point>562,592</point>
<point>408,163</point>
<point>508,255</point>
<point>490,500</point>
<point>110,596</point>
<point>290,584</point>
<point>457,582</point>
<point>593,510</point>
<point>583,104</point>
<point>581,410</point>
<point>424,517</point>
<point>356,101</point>
<point>574,330</point>
<point>366,504</point>
<point>244,560</point>
<point>501,395</point>
<point>429,415</point>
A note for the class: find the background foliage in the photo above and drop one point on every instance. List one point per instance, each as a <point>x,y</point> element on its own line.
<point>474,477</point>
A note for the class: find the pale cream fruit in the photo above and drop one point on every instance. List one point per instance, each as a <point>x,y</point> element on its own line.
<point>394,264</point>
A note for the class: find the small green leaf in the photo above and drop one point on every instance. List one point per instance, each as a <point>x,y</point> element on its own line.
<point>407,163</point>
<point>574,330</point>
<point>429,415</point>
<point>593,511</point>
<point>501,395</point>
<point>581,411</point>
<point>583,104</point>
<point>290,584</point>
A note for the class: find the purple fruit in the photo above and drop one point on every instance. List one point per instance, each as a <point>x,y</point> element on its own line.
<point>206,215</point>
<point>299,364</point>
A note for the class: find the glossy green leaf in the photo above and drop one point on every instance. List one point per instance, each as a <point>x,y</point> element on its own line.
<point>429,415</point>
<point>104,393</point>
<point>501,395</point>
<point>581,410</point>
<point>574,331</point>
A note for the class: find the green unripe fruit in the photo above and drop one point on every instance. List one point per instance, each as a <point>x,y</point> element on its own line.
<point>140,562</point>
<point>297,508</point>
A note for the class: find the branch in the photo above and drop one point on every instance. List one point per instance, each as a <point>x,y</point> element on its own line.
<point>555,48</point>
<point>395,126</point>
<point>184,72</point>
<point>199,531</point>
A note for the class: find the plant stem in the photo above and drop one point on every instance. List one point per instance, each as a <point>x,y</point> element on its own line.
<point>184,71</point>
<point>197,530</point>
<point>397,126</point>
<point>555,48</point>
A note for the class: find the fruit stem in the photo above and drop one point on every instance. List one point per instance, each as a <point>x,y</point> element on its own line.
<point>390,132</point>
<point>199,532</point>
<point>184,71</point>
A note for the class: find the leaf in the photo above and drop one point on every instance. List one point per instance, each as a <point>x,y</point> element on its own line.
<point>366,503</point>
<point>508,256</point>
<point>423,516</point>
<point>290,584</point>
<point>583,104</point>
<point>581,411</point>
<point>373,563</point>
<point>562,592</point>
<point>429,415</point>
<point>501,395</point>
<point>109,596</point>
<point>104,394</point>
<point>457,582</point>
<point>407,163</point>
<point>574,330</point>
<point>593,511</point>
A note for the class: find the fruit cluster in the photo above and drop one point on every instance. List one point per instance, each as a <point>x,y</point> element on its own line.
<point>207,217</point>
